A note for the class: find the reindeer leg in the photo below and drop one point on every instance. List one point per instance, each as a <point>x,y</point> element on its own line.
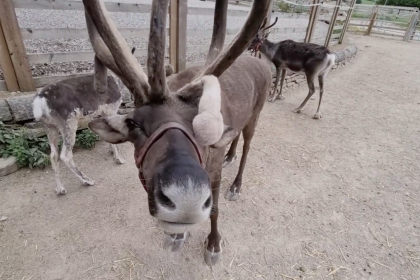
<point>53,135</point>
<point>117,157</point>
<point>321,91</point>
<point>69,138</point>
<point>233,192</point>
<point>311,85</point>
<point>231,154</point>
<point>273,94</point>
<point>213,250</point>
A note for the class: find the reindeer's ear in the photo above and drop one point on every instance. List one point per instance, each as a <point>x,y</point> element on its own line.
<point>111,129</point>
<point>205,93</point>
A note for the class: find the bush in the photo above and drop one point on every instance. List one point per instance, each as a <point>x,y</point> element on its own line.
<point>284,7</point>
<point>32,151</point>
<point>358,1</point>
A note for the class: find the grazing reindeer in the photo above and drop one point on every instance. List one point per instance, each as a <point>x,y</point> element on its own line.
<point>312,59</point>
<point>181,127</point>
<point>62,106</point>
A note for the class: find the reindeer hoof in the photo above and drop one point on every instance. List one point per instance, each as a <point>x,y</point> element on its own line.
<point>175,242</point>
<point>211,256</point>
<point>232,195</point>
<point>88,182</point>
<point>272,100</point>
<point>281,97</point>
<point>60,190</point>
<point>317,116</point>
<point>298,110</point>
<point>227,161</point>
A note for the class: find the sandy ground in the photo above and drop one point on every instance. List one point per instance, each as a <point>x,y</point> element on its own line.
<point>336,198</point>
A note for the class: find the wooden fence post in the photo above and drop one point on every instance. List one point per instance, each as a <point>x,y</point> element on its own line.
<point>332,23</point>
<point>347,21</point>
<point>7,65</point>
<point>313,18</point>
<point>372,20</point>
<point>15,46</point>
<point>178,34</point>
<point>411,26</point>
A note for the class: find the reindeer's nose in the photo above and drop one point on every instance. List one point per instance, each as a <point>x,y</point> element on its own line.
<point>183,203</point>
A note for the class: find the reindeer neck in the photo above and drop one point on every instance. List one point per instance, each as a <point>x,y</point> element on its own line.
<point>268,49</point>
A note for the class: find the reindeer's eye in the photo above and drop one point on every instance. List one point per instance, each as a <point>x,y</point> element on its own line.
<point>131,124</point>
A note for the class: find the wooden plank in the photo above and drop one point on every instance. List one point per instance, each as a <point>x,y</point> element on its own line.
<point>173,34</point>
<point>15,45</point>
<point>338,27</point>
<point>372,21</point>
<point>347,21</point>
<point>6,65</point>
<point>59,57</point>
<point>3,86</point>
<point>332,23</point>
<point>21,107</point>
<point>5,114</point>
<point>110,6</point>
<point>182,34</point>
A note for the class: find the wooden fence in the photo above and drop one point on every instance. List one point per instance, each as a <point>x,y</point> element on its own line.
<point>392,21</point>
<point>15,62</point>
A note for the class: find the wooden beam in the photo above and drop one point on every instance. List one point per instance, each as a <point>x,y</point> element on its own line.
<point>333,20</point>
<point>372,20</point>
<point>347,21</point>
<point>313,18</point>
<point>178,34</point>
<point>6,65</point>
<point>15,45</point>
<point>411,26</point>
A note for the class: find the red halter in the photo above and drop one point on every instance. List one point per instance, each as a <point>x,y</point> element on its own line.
<point>139,158</point>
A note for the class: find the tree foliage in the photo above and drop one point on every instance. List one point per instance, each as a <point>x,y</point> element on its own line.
<point>403,3</point>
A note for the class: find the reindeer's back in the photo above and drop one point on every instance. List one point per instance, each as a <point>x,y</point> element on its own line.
<point>69,95</point>
<point>245,86</point>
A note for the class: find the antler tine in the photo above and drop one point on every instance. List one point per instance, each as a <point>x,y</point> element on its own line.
<point>264,23</point>
<point>241,41</point>
<point>124,63</point>
<point>156,51</point>
<point>219,30</point>
<point>275,21</point>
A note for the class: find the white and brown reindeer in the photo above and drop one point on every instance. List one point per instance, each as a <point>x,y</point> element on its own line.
<point>312,59</point>
<point>181,127</point>
<point>62,106</point>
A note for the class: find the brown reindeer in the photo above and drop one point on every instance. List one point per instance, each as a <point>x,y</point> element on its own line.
<point>180,128</point>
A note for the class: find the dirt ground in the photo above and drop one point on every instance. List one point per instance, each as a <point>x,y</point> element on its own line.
<point>336,198</point>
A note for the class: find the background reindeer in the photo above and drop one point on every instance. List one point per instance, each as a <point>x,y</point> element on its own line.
<point>312,59</point>
<point>62,106</point>
<point>180,128</point>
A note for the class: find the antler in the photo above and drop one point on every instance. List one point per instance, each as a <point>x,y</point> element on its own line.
<point>112,51</point>
<point>156,51</point>
<point>219,30</point>
<point>275,21</point>
<point>241,41</point>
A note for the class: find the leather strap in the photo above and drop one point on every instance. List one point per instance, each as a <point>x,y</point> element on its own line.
<point>155,136</point>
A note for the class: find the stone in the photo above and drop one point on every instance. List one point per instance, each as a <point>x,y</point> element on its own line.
<point>8,165</point>
<point>5,114</point>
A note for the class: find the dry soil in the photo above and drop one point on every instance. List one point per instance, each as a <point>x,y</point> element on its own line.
<point>336,198</point>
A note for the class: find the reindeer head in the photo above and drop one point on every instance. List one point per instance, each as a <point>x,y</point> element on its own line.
<point>261,36</point>
<point>169,130</point>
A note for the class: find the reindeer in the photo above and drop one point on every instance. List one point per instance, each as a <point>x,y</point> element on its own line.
<point>181,127</point>
<point>312,59</point>
<point>62,106</point>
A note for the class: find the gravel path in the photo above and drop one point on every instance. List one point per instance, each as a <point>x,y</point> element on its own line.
<point>37,19</point>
